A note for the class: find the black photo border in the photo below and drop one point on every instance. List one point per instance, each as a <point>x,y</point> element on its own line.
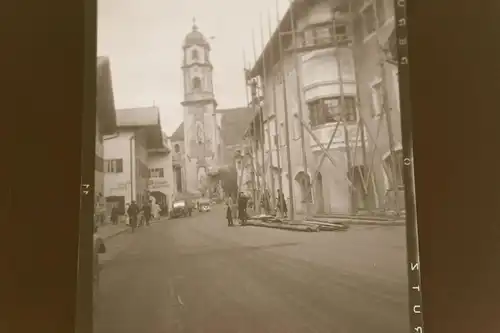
<point>454,84</point>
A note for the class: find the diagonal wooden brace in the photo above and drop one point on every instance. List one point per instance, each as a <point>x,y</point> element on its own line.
<point>315,138</point>
<point>323,155</point>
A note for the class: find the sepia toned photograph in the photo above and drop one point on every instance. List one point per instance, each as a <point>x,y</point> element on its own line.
<point>249,169</point>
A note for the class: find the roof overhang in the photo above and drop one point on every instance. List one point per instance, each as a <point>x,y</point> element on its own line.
<point>148,120</point>
<point>271,53</point>
<point>155,140</point>
<point>105,104</point>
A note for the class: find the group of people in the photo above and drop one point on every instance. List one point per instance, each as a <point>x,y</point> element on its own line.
<point>240,208</point>
<point>150,211</point>
<point>242,204</point>
<point>134,212</point>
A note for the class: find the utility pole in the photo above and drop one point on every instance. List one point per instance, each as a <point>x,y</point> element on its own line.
<point>295,56</point>
<point>287,124</point>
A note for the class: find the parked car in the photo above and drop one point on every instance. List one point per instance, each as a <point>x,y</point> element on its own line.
<point>204,205</point>
<point>181,208</point>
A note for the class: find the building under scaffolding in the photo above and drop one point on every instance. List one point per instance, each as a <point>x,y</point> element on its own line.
<point>327,88</point>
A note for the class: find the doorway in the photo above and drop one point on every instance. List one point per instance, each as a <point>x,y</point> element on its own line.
<point>304,182</point>
<point>318,194</point>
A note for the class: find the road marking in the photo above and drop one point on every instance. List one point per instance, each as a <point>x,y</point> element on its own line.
<point>171,287</point>
<point>179,299</point>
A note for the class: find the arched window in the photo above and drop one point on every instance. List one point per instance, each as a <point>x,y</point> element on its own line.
<point>196,83</point>
<point>194,55</point>
<point>177,148</point>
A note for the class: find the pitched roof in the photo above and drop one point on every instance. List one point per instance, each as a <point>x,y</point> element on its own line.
<point>179,133</point>
<point>141,116</point>
<point>234,123</point>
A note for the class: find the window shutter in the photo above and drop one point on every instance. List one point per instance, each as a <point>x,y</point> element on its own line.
<point>119,165</point>
<point>161,173</point>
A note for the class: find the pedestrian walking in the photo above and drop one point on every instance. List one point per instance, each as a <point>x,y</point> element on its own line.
<point>282,204</point>
<point>99,248</point>
<point>242,208</point>
<point>132,211</point>
<point>114,215</point>
<point>229,211</point>
<point>266,202</point>
<point>147,209</point>
<point>156,211</point>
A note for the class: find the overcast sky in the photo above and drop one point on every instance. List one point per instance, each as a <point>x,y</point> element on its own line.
<point>143,40</point>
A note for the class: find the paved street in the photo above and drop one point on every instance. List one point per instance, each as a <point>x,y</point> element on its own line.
<point>196,275</point>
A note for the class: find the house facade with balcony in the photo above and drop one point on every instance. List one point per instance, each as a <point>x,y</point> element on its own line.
<point>126,156</point>
<point>160,184</point>
<point>335,66</point>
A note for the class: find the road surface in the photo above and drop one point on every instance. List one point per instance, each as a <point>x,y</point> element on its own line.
<point>196,275</point>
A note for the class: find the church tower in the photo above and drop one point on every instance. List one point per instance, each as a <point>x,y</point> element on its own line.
<point>200,122</point>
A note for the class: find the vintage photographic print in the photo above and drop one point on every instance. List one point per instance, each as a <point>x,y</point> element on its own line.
<point>253,168</point>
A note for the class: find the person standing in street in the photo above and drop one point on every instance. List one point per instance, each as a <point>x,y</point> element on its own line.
<point>229,211</point>
<point>282,204</point>
<point>99,248</point>
<point>242,208</point>
<point>147,209</point>
<point>266,202</point>
<point>133,211</point>
<point>114,215</point>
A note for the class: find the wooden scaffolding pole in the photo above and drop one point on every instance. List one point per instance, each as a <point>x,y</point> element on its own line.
<point>287,123</point>
<point>242,152</point>
<point>343,119</point>
<point>276,139</point>
<point>390,132</point>
<point>264,96</point>
<point>242,169</point>
<point>297,65</point>
<point>255,164</point>
<point>259,134</point>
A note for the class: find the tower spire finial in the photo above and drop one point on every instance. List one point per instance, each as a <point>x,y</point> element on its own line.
<point>195,27</point>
